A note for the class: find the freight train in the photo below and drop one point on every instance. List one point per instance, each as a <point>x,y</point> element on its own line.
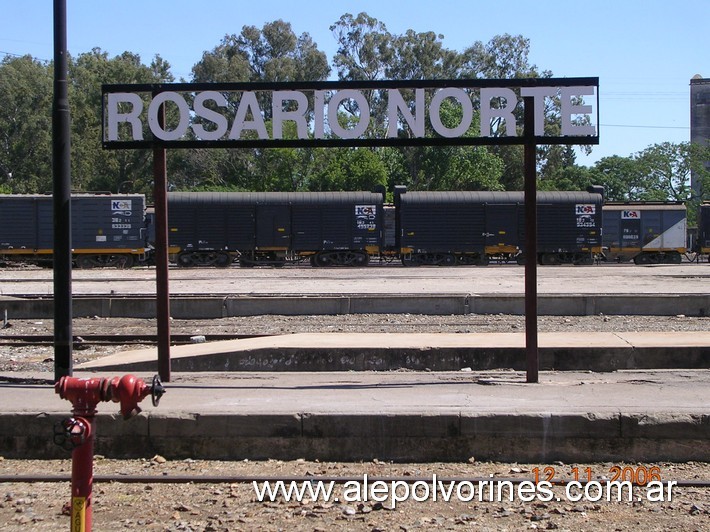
<point>351,229</point>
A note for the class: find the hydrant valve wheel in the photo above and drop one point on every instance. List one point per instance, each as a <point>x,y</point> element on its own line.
<point>71,433</point>
<point>156,390</point>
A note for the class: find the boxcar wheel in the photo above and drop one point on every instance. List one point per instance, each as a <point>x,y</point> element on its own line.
<point>125,261</point>
<point>361,259</point>
<point>184,260</point>
<point>323,260</point>
<point>85,262</point>
<point>549,259</point>
<point>642,259</point>
<point>673,258</point>
<point>408,260</point>
<point>448,260</point>
<point>223,260</point>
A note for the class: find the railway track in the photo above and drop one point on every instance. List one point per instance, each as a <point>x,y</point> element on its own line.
<point>20,340</point>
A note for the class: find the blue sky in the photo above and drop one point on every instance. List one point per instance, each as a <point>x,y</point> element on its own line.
<point>643,51</point>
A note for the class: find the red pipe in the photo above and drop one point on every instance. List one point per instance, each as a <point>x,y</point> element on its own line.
<point>82,479</point>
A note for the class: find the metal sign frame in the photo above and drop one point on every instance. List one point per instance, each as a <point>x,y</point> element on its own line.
<point>529,139</point>
<point>464,84</point>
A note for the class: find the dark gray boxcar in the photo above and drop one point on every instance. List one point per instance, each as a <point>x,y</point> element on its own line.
<point>646,233</point>
<point>470,227</point>
<point>569,227</point>
<point>273,227</point>
<point>704,229</point>
<point>212,220</point>
<point>449,227</point>
<point>100,223</point>
<point>337,221</point>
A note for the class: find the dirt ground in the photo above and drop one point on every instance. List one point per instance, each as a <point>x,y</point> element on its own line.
<point>230,505</point>
<point>234,506</point>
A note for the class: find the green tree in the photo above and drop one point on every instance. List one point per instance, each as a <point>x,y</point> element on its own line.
<point>364,48</point>
<point>347,169</point>
<point>275,54</point>
<point>365,52</point>
<point>422,56</point>
<point>667,170</point>
<point>94,168</point>
<point>25,125</point>
<point>661,172</point>
<point>507,57</point>
<point>458,167</point>
<point>622,177</point>
<point>571,177</point>
<point>503,57</point>
<point>667,167</point>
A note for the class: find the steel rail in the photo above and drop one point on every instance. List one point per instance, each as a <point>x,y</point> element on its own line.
<point>245,479</point>
<point>110,339</point>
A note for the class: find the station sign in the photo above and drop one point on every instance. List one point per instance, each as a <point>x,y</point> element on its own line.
<point>445,112</point>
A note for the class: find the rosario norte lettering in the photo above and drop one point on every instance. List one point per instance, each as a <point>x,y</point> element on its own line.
<point>221,115</point>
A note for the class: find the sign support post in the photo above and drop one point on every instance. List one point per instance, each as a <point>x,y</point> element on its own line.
<point>530,187</point>
<point>162,304</point>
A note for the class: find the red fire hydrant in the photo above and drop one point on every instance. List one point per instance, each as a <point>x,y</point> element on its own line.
<point>77,432</point>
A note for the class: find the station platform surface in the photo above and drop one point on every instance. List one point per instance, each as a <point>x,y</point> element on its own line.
<point>588,351</point>
<point>207,293</point>
<point>632,414</point>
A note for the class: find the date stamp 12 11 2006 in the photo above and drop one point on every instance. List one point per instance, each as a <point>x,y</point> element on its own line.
<point>637,475</point>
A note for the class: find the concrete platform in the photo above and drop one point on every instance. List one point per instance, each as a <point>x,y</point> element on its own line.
<point>403,416</point>
<point>570,351</point>
<point>219,293</point>
<point>357,397</point>
<point>227,306</point>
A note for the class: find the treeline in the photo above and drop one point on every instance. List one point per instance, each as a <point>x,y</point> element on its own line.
<point>274,53</point>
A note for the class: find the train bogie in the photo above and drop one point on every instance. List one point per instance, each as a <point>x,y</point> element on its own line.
<point>645,233</point>
<point>107,230</point>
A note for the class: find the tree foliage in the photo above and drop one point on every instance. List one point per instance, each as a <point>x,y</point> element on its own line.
<point>366,50</point>
<point>273,53</point>
<point>25,125</point>
<point>92,167</point>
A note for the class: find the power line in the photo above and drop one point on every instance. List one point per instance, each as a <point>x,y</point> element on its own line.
<point>23,55</point>
<point>645,127</point>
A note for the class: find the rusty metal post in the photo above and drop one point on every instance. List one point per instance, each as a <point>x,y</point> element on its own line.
<point>530,243</point>
<point>160,199</point>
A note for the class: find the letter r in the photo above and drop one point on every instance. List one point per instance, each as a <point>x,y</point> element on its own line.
<point>132,117</point>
